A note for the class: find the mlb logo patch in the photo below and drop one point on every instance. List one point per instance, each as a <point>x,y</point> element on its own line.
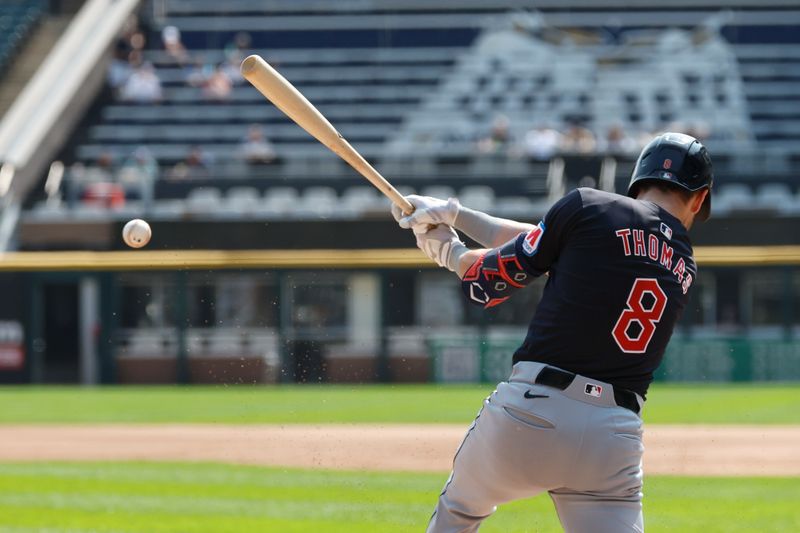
<point>593,390</point>
<point>666,231</point>
<point>531,242</point>
<point>667,163</point>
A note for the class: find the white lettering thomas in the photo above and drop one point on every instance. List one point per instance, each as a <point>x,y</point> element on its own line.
<point>638,243</point>
<point>635,243</point>
<point>679,269</point>
<point>625,235</point>
<point>652,247</point>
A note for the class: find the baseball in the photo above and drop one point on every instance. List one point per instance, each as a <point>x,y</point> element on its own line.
<point>136,233</point>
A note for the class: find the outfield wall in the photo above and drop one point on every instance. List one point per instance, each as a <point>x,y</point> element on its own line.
<point>725,359</point>
<point>344,316</point>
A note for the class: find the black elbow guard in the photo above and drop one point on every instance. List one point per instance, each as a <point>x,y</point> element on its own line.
<point>495,276</point>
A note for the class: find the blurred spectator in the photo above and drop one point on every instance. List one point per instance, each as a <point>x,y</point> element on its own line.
<point>578,140</point>
<point>143,86</point>
<point>171,38</point>
<point>232,67</point>
<point>94,185</point>
<point>617,142</point>
<point>102,171</point>
<point>139,173</point>
<point>541,143</point>
<point>135,59</point>
<point>138,41</point>
<point>240,45</point>
<point>218,87</point>
<point>235,52</point>
<point>198,73</point>
<point>498,140</point>
<point>128,47</point>
<point>107,195</point>
<point>80,176</point>
<point>123,46</point>
<point>118,73</point>
<point>255,149</point>
<point>196,165</point>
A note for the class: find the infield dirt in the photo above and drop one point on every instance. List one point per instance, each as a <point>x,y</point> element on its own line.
<point>674,450</point>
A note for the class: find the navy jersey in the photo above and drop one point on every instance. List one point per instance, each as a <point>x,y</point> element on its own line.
<point>619,270</point>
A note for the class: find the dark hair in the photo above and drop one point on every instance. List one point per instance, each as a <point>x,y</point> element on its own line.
<point>664,186</point>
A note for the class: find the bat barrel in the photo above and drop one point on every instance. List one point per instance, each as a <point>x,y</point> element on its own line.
<point>249,64</point>
<point>288,99</point>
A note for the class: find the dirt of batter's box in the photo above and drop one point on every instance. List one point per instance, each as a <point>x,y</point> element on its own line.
<point>677,450</point>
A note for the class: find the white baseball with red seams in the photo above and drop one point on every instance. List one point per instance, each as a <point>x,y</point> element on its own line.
<point>136,233</point>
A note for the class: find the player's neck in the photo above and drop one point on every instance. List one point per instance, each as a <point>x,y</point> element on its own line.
<point>673,204</point>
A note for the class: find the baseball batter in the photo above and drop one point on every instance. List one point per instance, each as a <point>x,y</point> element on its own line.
<point>619,269</point>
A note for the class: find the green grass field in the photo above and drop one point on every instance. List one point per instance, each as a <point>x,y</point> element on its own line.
<point>673,404</point>
<point>188,498</point>
<point>153,498</point>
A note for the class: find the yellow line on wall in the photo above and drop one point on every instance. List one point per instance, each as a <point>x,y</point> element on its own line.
<point>747,255</point>
<point>211,259</point>
<point>316,259</point>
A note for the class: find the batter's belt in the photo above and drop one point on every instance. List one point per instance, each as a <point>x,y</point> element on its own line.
<point>551,376</point>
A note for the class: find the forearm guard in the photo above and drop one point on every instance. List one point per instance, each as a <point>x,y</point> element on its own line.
<point>493,278</point>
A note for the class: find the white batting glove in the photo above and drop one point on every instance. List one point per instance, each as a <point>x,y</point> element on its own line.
<point>441,243</point>
<point>428,211</point>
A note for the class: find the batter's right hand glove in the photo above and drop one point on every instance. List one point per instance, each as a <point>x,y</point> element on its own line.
<point>442,245</point>
<point>428,212</point>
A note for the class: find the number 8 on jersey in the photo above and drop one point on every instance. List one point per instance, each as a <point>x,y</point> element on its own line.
<point>644,317</point>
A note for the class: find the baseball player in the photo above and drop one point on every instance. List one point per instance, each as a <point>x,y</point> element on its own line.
<point>619,268</point>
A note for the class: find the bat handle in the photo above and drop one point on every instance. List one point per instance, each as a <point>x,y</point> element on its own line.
<point>406,206</point>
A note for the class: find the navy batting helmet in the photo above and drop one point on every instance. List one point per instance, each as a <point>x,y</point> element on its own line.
<point>679,159</point>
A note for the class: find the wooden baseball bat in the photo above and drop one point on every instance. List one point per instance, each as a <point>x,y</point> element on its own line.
<point>289,100</point>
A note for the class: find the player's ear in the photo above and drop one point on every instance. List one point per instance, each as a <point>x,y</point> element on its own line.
<point>697,200</point>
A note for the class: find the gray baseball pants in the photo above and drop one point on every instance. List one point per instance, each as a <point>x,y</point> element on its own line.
<point>576,444</point>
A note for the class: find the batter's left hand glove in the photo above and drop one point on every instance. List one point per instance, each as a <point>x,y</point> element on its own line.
<point>428,211</point>
<point>441,243</point>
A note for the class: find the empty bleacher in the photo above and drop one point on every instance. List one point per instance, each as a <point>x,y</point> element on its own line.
<point>369,91</point>
<point>413,84</point>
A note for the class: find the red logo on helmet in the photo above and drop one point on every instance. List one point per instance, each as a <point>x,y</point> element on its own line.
<point>667,163</point>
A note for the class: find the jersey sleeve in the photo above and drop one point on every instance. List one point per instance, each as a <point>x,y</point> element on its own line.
<point>540,247</point>
<point>498,273</point>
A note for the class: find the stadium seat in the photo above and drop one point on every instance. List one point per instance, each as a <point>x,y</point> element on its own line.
<point>775,196</point>
<point>732,197</point>
<point>479,197</point>
<point>169,209</point>
<point>360,199</point>
<point>280,200</point>
<point>438,191</point>
<point>318,201</point>
<point>243,199</point>
<point>517,208</point>
<point>17,20</point>
<point>380,95</point>
<point>203,200</point>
